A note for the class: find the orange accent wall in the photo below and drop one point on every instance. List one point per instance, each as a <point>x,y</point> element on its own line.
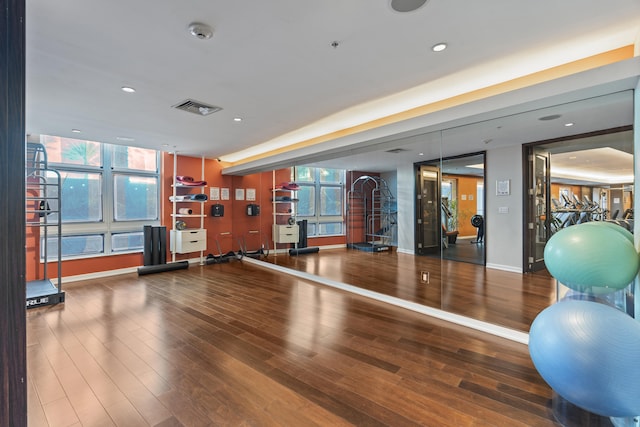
<point>235,228</point>
<point>467,186</point>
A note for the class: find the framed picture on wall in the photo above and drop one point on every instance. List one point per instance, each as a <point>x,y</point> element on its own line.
<point>503,188</point>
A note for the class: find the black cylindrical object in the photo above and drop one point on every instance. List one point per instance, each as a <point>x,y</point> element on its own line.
<point>160,268</point>
<point>154,251</point>
<point>147,250</point>
<point>155,240</point>
<point>162,244</point>
<point>302,230</point>
<point>303,251</point>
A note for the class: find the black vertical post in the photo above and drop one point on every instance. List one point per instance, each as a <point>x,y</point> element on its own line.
<point>155,244</point>
<point>13,361</point>
<point>162,245</point>
<point>147,250</point>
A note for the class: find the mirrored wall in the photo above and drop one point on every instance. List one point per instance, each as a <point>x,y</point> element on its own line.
<point>484,190</point>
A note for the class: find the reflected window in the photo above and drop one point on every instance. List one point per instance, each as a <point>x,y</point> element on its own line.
<point>321,199</point>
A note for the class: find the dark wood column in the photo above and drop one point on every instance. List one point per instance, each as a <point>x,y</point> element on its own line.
<point>13,395</point>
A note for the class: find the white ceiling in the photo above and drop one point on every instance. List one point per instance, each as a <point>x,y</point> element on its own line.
<point>272,63</point>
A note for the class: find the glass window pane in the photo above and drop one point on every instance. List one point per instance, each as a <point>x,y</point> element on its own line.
<point>304,174</point>
<point>134,158</point>
<point>330,201</point>
<point>127,241</point>
<point>81,197</point>
<point>135,197</point>
<point>311,229</point>
<point>335,176</point>
<point>327,228</point>
<point>72,151</point>
<point>73,246</point>
<point>306,201</point>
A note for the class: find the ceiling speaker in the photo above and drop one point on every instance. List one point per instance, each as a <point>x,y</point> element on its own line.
<point>407,5</point>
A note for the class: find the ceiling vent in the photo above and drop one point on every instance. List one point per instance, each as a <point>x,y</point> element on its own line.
<point>396,150</point>
<point>196,107</point>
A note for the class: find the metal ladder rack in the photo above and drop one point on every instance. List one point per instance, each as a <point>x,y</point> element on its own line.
<point>43,197</point>
<point>371,214</point>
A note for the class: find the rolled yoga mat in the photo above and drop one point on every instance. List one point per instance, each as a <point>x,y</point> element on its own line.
<point>160,268</point>
<point>303,251</point>
<point>185,211</point>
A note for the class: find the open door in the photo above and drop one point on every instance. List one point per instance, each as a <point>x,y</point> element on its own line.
<point>538,211</point>
<point>428,232</point>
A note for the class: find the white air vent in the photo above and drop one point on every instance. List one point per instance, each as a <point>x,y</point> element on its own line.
<point>396,150</point>
<point>196,107</point>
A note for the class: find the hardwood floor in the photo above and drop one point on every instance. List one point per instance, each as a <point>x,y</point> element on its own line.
<point>239,345</point>
<point>512,300</point>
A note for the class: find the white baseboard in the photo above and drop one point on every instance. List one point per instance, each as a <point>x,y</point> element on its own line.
<point>332,247</point>
<point>108,273</point>
<point>509,268</point>
<point>406,251</point>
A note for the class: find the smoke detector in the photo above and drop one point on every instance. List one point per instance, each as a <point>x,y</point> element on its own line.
<point>200,31</point>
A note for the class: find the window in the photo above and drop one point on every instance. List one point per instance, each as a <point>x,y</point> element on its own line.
<point>108,193</point>
<point>321,199</point>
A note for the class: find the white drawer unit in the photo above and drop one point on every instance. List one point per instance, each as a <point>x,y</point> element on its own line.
<point>284,233</point>
<point>189,240</point>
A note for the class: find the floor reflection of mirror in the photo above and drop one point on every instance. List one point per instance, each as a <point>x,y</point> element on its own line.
<point>499,297</point>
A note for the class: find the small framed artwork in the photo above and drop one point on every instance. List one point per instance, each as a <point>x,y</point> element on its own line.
<point>214,193</point>
<point>503,188</point>
<point>251,194</point>
<point>224,194</point>
<point>239,193</point>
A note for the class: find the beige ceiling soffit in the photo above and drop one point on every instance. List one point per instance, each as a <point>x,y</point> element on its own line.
<point>553,73</point>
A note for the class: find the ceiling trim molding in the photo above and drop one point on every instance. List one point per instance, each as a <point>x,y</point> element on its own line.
<point>615,75</point>
<point>553,73</point>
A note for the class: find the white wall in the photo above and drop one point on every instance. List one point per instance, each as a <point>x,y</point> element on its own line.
<point>406,195</point>
<point>503,214</point>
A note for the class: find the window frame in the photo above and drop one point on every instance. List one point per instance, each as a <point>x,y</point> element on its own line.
<point>315,221</point>
<point>108,226</point>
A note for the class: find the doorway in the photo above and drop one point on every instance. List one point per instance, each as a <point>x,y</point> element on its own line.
<point>458,203</point>
<point>575,180</point>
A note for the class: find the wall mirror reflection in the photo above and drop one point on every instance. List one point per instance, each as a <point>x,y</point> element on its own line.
<point>494,282</point>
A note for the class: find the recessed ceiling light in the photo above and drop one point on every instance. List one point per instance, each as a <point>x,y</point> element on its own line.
<point>439,47</point>
<point>237,119</point>
<point>420,154</point>
<point>128,89</point>
<point>568,124</point>
<point>75,130</point>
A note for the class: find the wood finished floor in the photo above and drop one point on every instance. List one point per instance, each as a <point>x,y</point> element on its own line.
<point>239,345</point>
<point>500,297</point>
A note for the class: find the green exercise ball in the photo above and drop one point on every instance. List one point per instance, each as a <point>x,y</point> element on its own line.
<point>591,259</point>
<point>612,225</point>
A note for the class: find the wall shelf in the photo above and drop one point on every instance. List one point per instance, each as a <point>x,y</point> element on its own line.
<point>193,239</point>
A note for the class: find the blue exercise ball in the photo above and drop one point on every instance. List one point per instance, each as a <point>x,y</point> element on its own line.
<point>591,259</point>
<point>589,354</point>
